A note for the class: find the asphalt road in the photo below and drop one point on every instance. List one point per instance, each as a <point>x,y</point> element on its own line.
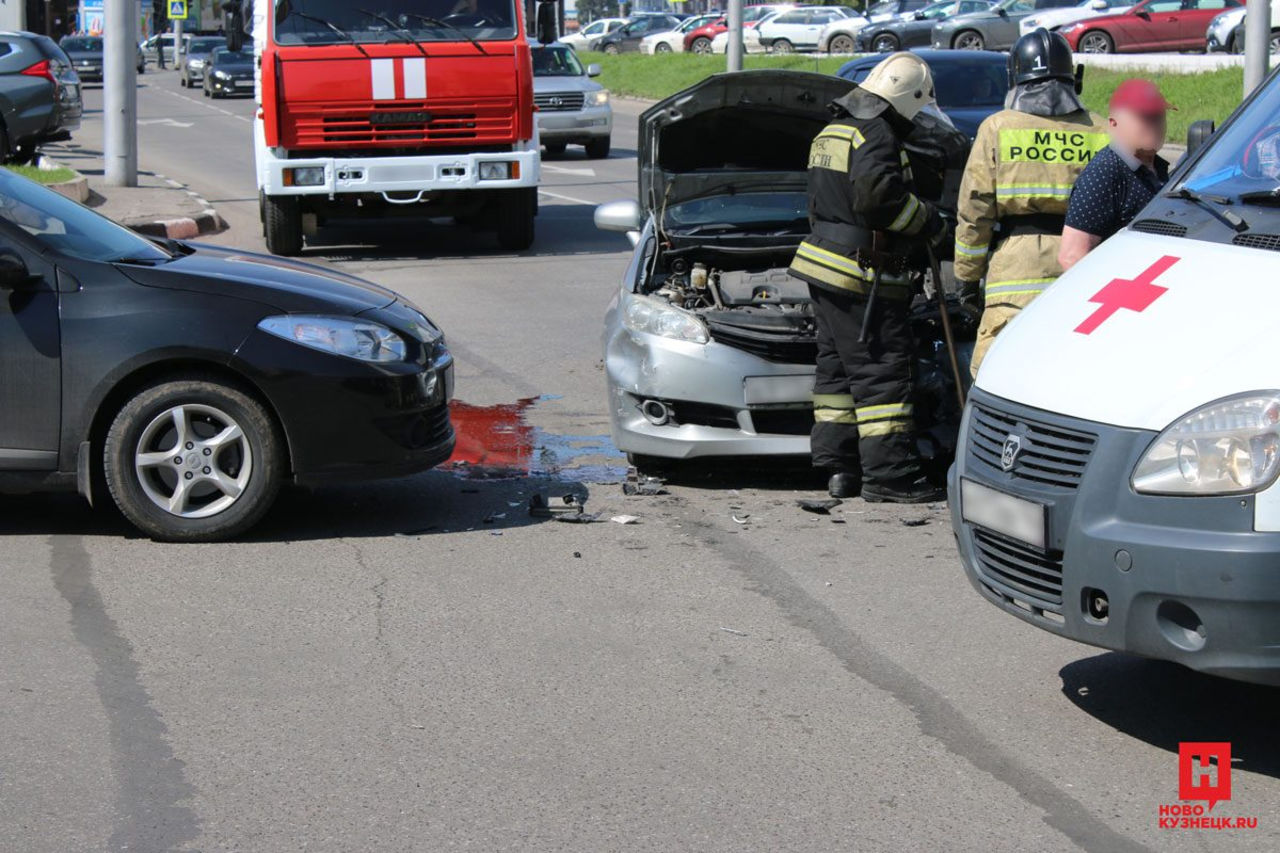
<point>418,665</point>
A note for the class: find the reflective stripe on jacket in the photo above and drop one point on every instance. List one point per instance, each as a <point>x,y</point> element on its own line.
<point>1020,164</point>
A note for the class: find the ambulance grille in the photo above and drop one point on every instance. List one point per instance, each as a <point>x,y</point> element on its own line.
<point>1050,455</point>
<point>1258,241</point>
<point>1159,226</point>
<point>1015,571</point>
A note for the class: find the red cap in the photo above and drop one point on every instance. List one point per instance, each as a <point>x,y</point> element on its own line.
<point>1141,96</point>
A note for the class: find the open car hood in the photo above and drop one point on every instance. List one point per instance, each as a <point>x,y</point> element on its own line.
<point>733,131</point>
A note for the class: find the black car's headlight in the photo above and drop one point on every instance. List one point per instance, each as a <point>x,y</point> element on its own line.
<point>222,75</point>
<point>359,339</point>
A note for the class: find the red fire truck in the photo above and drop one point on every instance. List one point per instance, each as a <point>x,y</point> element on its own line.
<point>382,108</point>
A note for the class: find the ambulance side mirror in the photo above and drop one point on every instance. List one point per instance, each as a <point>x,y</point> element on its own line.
<point>1198,134</point>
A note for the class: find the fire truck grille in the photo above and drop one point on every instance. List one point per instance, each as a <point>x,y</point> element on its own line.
<point>551,102</point>
<point>401,124</point>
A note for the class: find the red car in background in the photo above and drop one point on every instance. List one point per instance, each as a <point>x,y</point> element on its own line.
<point>1148,26</point>
<point>699,40</point>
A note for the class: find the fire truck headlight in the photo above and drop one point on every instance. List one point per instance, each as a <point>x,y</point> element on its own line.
<point>497,171</point>
<point>1228,447</point>
<point>307,176</point>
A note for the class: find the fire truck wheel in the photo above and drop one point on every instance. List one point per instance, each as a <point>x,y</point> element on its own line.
<point>515,220</point>
<point>283,222</point>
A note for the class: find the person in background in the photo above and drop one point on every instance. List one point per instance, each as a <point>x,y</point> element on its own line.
<point>1124,177</point>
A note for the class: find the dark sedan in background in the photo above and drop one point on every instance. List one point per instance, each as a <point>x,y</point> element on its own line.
<point>85,53</point>
<point>626,39</point>
<point>188,383</point>
<point>995,29</point>
<point>914,30</point>
<point>229,72</point>
<point>39,95</point>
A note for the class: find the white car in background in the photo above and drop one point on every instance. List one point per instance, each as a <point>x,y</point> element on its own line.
<point>750,40</point>
<point>672,41</point>
<point>798,29</point>
<point>599,28</point>
<point>1052,19</point>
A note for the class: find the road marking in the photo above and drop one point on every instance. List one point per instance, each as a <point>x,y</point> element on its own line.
<point>567,198</point>
<point>166,121</point>
<point>567,170</point>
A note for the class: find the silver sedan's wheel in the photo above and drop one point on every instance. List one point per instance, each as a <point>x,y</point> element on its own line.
<point>1096,42</point>
<point>193,461</point>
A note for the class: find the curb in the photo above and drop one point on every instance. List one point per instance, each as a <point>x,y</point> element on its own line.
<point>183,228</point>
<point>76,189</point>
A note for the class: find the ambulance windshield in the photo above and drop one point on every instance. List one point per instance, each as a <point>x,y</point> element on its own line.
<point>1244,157</point>
<point>315,22</point>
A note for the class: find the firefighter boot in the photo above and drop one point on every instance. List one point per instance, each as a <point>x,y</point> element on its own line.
<point>905,491</point>
<point>844,485</point>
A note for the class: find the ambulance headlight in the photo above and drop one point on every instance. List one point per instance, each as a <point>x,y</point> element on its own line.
<point>1225,448</point>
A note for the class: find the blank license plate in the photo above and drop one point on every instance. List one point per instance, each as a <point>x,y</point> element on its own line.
<point>1003,513</point>
<point>763,390</point>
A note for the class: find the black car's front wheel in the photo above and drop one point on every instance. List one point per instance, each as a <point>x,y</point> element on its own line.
<point>884,43</point>
<point>193,461</point>
<point>969,40</point>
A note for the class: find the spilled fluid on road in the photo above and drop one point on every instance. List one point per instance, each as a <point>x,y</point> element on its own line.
<point>498,442</point>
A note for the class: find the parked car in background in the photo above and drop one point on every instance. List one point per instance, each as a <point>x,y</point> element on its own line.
<point>1148,26</point>
<point>838,37</point>
<point>1226,31</point>
<point>85,53</point>
<point>970,85</point>
<point>797,29</point>
<point>189,383</point>
<point>40,94</point>
<point>198,51</point>
<point>672,41</point>
<point>582,39</point>
<point>995,29</point>
<point>750,37</point>
<point>573,109</point>
<point>626,39</point>
<point>913,31</point>
<point>1057,19</point>
<point>699,40</point>
<point>229,72</point>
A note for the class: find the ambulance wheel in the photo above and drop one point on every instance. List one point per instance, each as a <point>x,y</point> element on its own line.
<point>1096,41</point>
<point>598,148</point>
<point>515,220</point>
<point>283,222</point>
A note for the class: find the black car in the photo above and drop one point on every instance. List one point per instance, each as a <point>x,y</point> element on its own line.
<point>229,72</point>
<point>626,39</point>
<point>189,382</point>
<point>85,53</point>
<point>970,85</point>
<point>913,31</point>
<point>40,95</point>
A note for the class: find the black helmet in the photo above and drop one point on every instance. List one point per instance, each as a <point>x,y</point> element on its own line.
<point>1040,55</point>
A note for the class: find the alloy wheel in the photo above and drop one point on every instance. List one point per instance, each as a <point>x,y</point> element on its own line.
<point>193,461</point>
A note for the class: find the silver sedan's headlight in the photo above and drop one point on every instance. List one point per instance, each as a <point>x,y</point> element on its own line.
<point>597,99</point>
<point>346,336</point>
<point>642,314</point>
<point>1228,447</point>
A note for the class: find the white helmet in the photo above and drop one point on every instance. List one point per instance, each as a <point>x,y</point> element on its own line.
<point>904,80</point>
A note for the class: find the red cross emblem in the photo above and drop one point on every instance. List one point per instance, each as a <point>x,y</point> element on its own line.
<point>1133,294</point>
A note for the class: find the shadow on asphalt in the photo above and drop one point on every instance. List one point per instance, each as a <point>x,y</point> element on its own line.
<point>577,152</point>
<point>562,229</point>
<point>1163,704</point>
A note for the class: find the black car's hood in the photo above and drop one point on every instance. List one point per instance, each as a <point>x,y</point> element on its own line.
<point>281,284</point>
<point>84,55</point>
<point>733,131</point>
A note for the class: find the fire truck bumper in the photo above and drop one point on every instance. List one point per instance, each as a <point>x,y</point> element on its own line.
<point>403,179</point>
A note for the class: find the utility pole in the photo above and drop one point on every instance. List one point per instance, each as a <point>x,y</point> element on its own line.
<point>120,93</point>
<point>1257,43</point>
<point>734,48</point>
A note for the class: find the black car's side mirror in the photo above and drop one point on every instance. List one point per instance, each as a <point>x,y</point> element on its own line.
<point>14,274</point>
<point>1198,134</point>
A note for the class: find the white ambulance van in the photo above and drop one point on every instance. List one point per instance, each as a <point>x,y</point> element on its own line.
<point>1116,478</point>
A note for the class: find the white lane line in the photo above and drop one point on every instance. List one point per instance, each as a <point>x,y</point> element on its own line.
<point>567,198</point>
<point>566,170</point>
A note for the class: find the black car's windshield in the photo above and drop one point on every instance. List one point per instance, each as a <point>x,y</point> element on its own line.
<point>82,45</point>
<point>739,211</point>
<point>960,82</point>
<point>205,45</point>
<point>303,21</point>
<point>556,62</point>
<point>1244,157</point>
<point>64,226</point>
<point>224,58</point>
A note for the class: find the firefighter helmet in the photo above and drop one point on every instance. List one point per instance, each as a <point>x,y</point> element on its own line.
<point>1040,55</point>
<point>904,80</point>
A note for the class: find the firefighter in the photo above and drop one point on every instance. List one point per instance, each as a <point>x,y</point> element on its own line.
<point>1013,199</point>
<point>866,222</point>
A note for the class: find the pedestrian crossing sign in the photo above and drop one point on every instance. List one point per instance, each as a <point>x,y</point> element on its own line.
<point>177,10</point>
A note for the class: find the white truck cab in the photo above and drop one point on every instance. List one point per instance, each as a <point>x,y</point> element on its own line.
<point>1116,478</point>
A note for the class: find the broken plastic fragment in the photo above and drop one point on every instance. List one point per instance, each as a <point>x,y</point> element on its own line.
<point>820,507</point>
<point>626,519</point>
